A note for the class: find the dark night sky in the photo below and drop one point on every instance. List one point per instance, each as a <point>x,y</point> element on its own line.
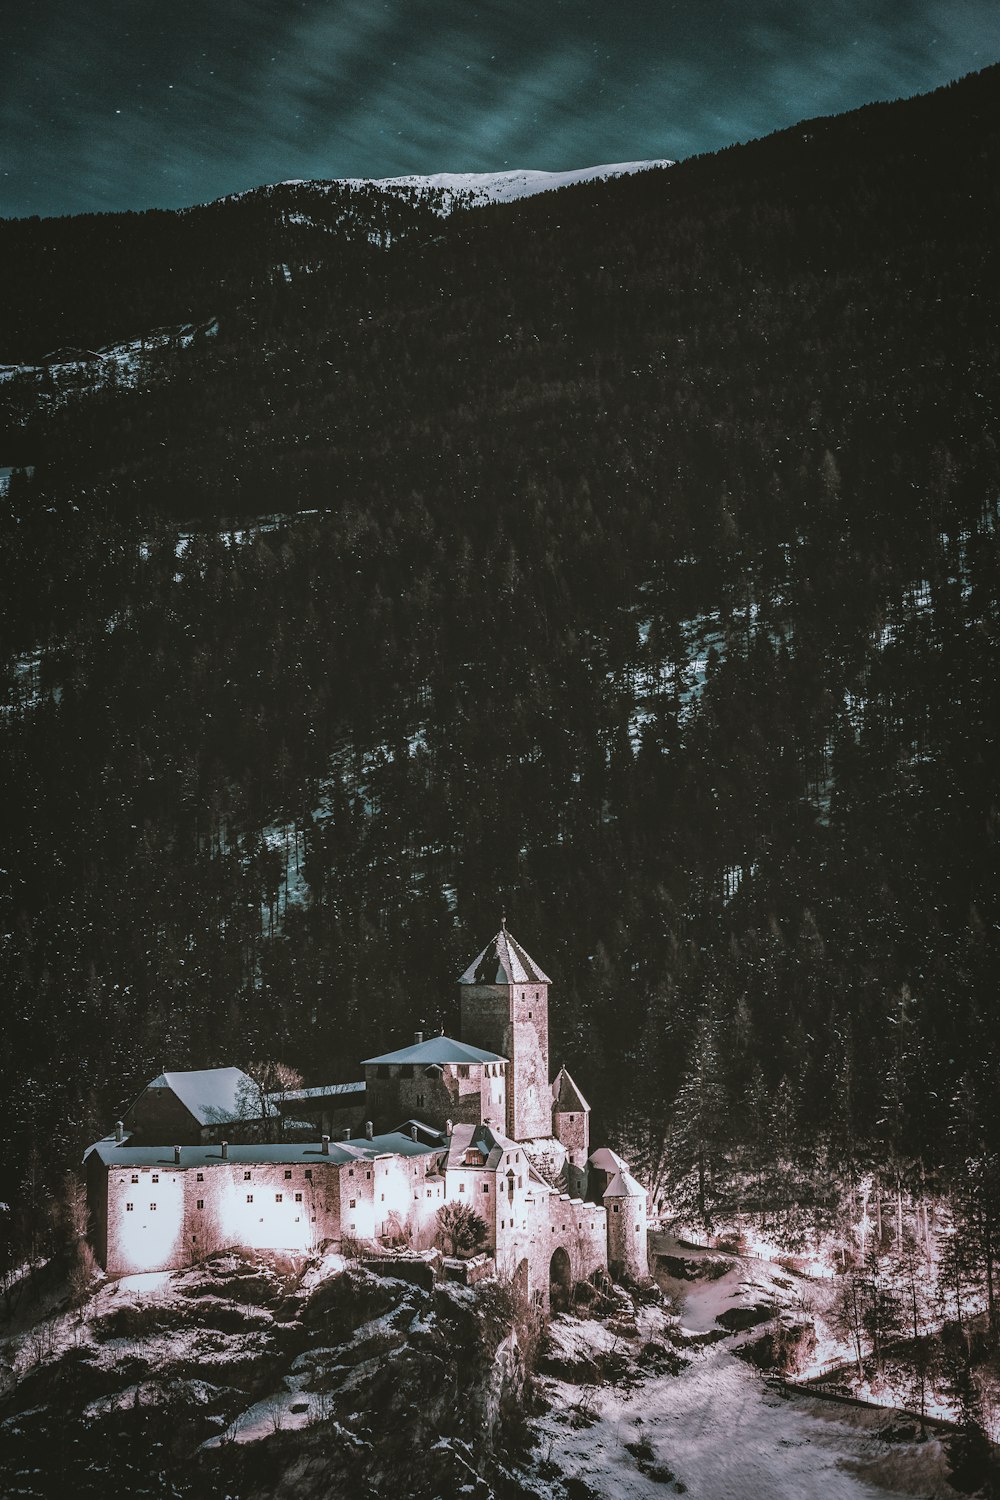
<point>110,104</point>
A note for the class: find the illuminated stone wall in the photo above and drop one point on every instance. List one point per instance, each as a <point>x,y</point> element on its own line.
<point>627,1235</point>
<point>513,1021</point>
<point>145,1220</point>
<point>572,1128</point>
<point>465,1093</point>
<point>161,1219</point>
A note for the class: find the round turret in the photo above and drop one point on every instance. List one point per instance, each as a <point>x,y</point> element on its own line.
<point>625,1201</point>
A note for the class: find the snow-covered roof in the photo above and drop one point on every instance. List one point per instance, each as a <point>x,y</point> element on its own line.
<point>425,1132</point>
<point>287,1153</point>
<point>322,1091</point>
<point>214,1096</point>
<point>111,1139</point>
<point>504,961</point>
<point>490,1143</point>
<point>624,1185</point>
<point>493,1146</point>
<point>437,1049</point>
<point>606,1160</point>
<point>566,1097</point>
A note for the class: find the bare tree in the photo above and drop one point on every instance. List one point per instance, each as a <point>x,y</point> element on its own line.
<point>269,1080</point>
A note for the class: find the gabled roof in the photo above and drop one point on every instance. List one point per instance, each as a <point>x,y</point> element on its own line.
<point>493,1146</point>
<point>566,1097</point>
<point>624,1185</point>
<point>437,1049</point>
<point>504,961</point>
<point>214,1096</point>
<point>490,1143</point>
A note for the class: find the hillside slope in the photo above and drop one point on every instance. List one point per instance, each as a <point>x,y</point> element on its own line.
<point>628,553</point>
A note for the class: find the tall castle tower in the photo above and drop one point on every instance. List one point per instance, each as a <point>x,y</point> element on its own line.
<point>505,1009</point>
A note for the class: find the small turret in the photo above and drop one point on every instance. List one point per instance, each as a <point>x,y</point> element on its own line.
<point>625,1201</point>
<point>571,1127</point>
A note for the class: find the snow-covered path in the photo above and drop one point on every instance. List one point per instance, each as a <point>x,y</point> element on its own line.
<point>726,1435</point>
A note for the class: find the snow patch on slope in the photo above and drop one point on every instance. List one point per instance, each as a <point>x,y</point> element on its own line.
<point>447,191</point>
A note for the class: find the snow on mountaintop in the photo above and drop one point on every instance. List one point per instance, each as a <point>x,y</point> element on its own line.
<point>447,191</point>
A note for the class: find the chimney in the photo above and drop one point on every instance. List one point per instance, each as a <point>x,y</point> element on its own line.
<point>225,1150</point>
<point>369,1130</point>
<point>177,1156</point>
<point>325,1146</point>
<point>418,1037</point>
<point>345,1134</point>
<point>413,1133</point>
<point>448,1128</point>
<point>119,1132</point>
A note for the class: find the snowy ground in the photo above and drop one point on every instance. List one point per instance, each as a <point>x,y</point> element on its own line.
<point>718,1429</point>
<point>644,1403</point>
<point>725,1434</point>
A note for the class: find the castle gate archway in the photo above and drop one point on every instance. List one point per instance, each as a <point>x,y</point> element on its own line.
<point>560,1280</point>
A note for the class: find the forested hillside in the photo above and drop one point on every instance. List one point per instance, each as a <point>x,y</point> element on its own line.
<point>627,556</point>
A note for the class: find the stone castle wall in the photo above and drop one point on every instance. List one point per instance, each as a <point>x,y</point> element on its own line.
<point>627,1236</point>
<point>513,1021</point>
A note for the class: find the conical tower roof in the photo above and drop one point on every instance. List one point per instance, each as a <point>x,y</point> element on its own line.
<point>504,961</point>
<point>624,1185</point>
<point>566,1097</point>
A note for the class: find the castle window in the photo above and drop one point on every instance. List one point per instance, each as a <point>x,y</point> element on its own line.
<point>249,1197</point>
<point>369,1176</point>
<point>200,1203</point>
<point>420,1101</point>
<point>279,1197</point>
<point>287,1176</point>
<point>529,1015</point>
<point>474,1158</point>
<point>463,1070</point>
<point>461,1187</point>
<point>156,1176</point>
<point>307,1174</point>
<point>128,1208</point>
<point>350,1171</point>
<point>246,1176</point>
<point>298,1197</point>
<point>353,1203</point>
<point>383,1197</point>
<point>200,1177</point>
<point>428,1192</point>
<point>616,1208</point>
<point>152,1208</point>
<point>486,1187</point>
<point>135,1177</point>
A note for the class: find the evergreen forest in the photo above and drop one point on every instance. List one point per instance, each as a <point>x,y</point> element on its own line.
<point>625,558</point>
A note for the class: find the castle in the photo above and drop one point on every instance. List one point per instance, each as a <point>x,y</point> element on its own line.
<point>474,1121</point>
